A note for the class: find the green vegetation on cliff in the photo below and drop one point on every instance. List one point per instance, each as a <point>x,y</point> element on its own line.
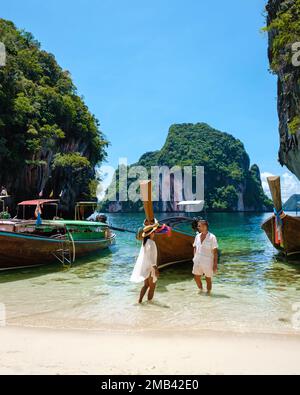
<point>230,183</point>
<point>285,27</point>
<point>46,131</point>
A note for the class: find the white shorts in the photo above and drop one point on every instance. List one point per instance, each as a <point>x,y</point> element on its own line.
<point>203,270</point>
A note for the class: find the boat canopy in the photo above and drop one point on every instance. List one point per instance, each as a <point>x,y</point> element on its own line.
<point>192,206</point>
<point>82,207</point>
<point>87,203</point>
<point>38,201</point>
<point>77,223</point>
<point>191,203</point>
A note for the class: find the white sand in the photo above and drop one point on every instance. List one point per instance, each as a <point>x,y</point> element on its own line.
<point>43,351</point>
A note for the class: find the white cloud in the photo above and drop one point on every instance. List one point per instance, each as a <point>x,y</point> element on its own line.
<point>290,185</point>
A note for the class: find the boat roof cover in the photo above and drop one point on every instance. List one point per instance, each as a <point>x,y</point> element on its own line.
<point>86,203</point>
<point>38,201</point>
<point>191,203</point>
<point>79,223</point>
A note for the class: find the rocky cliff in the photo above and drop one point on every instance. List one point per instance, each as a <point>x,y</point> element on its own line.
<point>283,26</point>
<point>49,141</point>
<point>292,204</point>
<point>230,183</point>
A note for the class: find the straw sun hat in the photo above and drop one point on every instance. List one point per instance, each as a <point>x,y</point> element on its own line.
<point>148,230</point>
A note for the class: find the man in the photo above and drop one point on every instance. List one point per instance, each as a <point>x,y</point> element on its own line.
<point>3,192</point>
<point>205,256</point>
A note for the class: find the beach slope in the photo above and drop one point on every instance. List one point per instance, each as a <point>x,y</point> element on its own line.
<point>43,351</point>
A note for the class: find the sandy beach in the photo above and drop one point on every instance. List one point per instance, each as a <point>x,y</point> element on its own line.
<point>44,351</point>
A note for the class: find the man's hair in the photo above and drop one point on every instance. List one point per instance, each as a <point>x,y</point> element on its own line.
<point>204,222</point>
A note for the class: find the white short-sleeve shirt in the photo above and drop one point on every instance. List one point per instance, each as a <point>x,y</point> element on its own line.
<point>205,251</point>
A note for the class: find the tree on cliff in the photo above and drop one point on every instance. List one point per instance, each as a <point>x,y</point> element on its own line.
<point>49,141</point>
<point>230,183</point>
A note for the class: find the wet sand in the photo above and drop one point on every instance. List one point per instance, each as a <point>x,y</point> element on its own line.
<point>45,351</point>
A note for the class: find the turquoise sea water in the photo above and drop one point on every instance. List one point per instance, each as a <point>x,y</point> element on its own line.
<point>255,290</point>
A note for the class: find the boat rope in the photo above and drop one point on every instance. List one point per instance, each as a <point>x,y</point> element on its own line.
<point>73,247</point>
<point>279,216</point>
<point>122,229</point>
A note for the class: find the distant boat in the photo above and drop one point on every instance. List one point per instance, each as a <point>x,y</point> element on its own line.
<point>176,235</point>
<point>282,230</point>
<point>23,243</point>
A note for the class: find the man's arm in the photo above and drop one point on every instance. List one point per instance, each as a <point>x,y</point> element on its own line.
<point>216,257</point>
<point>195,245</point>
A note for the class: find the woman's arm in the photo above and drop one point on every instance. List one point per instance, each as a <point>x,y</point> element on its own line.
<point>155,260</point>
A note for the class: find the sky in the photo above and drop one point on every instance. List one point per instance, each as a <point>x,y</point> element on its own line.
<point>145,65</point>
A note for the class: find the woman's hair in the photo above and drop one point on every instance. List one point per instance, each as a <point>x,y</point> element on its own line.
<point>145,240</point>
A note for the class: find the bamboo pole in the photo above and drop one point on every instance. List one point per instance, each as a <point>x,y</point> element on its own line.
<point>275,188</point>
<point>146,195</point>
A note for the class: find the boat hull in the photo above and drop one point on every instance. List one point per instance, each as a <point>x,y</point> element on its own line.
<point>173,249</point>
<point>84,248</point>
<point>19,250</point>
<point>290,234</point>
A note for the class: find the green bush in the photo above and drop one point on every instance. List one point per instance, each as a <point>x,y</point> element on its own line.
<point>74,160</point>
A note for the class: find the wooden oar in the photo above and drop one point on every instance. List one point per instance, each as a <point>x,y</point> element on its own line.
<point>275,188</point>
<point>122,229</point>
<point>146,195</point>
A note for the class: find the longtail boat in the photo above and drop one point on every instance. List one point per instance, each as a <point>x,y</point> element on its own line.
<point>282,230</point>
<point>175,236</point>
<point>24,243</point>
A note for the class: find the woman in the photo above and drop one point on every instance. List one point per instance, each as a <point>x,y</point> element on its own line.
<point>146,266</point>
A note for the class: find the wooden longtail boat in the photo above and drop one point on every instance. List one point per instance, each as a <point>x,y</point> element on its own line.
<point>282,230</point>
<point>87,237</point>
<point>174,245</point>
<point>25,244</point>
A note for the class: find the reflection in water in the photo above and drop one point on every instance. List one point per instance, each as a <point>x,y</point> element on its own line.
<point>254,290</point>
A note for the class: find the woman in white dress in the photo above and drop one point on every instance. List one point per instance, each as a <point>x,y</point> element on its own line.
<point>146,269</point>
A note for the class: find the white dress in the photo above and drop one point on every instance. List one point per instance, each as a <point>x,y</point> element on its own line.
<point>204,257</point>
<point>147,260</point>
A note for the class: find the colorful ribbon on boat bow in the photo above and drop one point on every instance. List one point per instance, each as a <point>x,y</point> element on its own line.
<point>164,229</point>
<point>278,226</point>
<point>278,215</point>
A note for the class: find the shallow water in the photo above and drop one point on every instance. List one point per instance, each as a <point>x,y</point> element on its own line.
<point>255,290</point>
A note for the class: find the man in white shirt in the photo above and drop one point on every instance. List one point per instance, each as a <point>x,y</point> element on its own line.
<point>205,256</point>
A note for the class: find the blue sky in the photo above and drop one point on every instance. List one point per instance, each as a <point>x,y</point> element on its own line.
<point>144,65</point>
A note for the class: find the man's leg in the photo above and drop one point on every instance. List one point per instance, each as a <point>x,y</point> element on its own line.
<point>199,282</point>
<point>209,284</point>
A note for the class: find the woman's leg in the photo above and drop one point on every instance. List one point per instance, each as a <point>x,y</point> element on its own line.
<point>144,290</point>
<point>152,286</point>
